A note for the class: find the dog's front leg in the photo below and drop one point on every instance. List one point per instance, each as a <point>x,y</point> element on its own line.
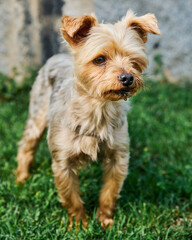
<point>65,163</point>
<point>115,167</point>
<point>67,183</point>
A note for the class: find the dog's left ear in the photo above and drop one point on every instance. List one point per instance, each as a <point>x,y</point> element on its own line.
<point>143,25</point>
<point>76,29</point>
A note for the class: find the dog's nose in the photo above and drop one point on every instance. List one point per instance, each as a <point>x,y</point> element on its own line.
<point>126,79</point>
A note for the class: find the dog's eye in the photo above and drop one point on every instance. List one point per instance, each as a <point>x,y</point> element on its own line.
<point>137,66</point>
<point>101,60</point>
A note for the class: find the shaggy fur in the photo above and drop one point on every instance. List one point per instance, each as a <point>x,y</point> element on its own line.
<point>82,103</point>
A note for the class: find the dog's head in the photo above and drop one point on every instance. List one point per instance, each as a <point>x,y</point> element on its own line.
<point>109,59</point>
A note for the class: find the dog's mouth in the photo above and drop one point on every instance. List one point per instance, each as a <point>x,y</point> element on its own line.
<point>124,92</point>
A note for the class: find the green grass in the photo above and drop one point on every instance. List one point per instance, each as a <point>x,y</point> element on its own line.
<point>156,200</point>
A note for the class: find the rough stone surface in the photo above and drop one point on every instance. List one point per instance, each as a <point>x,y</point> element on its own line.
<point>29,33</point>
<point>29,30</point>
<point>50,12</point>
<point>20,43</point>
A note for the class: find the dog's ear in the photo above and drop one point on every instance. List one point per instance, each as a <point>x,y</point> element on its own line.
<point>76,29</point>
<point>143,25</point>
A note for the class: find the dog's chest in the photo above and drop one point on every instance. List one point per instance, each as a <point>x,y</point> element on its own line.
<point>90,146</point>
<point>98,122</point>
<point>94,143</point>
<point>93,126</point>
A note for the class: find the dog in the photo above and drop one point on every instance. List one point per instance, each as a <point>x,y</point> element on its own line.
<point>81,99</point>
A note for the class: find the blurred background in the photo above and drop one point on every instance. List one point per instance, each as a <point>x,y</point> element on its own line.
<point>29,31</point>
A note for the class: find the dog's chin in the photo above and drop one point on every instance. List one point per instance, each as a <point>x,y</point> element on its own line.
<point>120,94</point>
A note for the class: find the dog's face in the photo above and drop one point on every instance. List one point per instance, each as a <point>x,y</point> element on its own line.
<point>109,59</point>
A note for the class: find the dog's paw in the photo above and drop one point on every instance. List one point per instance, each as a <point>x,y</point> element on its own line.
<point>21,177</point>
<point>72,223</point>
<point>104,220</point>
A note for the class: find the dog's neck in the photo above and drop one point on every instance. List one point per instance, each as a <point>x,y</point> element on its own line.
<point>93,117</point>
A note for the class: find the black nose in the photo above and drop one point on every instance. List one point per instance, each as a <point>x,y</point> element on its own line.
<point>126,79</point>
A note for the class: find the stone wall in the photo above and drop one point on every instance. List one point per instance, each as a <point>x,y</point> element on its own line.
<point>19,35</point>
<point>50,13</point>
<point>29,30</point>
<point>29,34</point>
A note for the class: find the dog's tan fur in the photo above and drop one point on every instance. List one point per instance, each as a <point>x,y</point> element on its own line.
<point>86,116</point>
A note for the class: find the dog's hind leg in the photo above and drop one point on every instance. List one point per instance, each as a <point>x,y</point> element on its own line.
<point>35,125</point>
<point>33,131</point>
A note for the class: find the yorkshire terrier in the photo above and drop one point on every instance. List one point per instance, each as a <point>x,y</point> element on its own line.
<point>82,102</point>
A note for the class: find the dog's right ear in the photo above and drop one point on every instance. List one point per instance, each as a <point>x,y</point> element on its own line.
<point>76,29</point>
<point>142,25</point>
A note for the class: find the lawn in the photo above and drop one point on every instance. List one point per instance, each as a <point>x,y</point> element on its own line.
<point>156,200</point>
